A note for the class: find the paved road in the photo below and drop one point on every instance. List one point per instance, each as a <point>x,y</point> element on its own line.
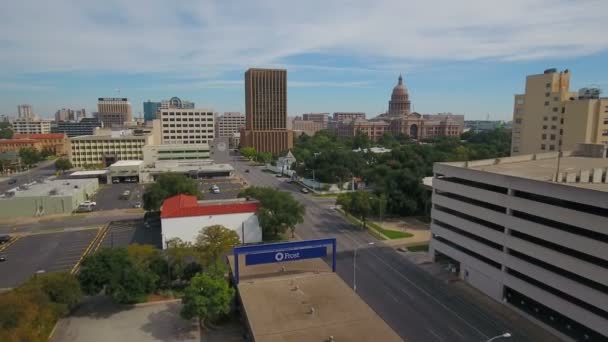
<point>109,196</point>
<point>418,306</point>
<point>44,169</point>
<point>125,232</point>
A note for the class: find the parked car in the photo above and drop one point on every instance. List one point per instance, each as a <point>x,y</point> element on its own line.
<point>125,195</point>
<point>12,181</point>
<point>4,239</point>
<point>215,189</point>
<point>137,205</point>
<point>246,170</point>
<point>83,208</point>
<point>115,180</point>
<point>2,258</point>
<point>304,190</point>
<point>89,203</point>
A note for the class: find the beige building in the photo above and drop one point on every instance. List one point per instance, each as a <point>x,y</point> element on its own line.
<point>229,123</point>
<point>307,127</point>
<point>108,147</point>
<point>549,117</point>
<point>154,153</point>
<point>186,126</point>
<point>31,126</point>
<point>538,246</point>
<point>115,105</point>
<point>25,112</point>
<point>266,111</point>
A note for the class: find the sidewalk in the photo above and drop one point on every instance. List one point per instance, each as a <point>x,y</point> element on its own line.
<point>420,231</point>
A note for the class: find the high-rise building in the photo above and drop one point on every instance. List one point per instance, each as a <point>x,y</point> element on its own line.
<point>66,114</point>
<point>25,112</point>
<point>549,117</point>
<point>536,244</point>
<point>116,105</point>
<point>186,126</point>
<point>31,126</point>
<point>229,123</point>
<point>150,110</point>
<point>266,111</point>
<point>106,147</point>
<point>84,126</point>
<point>112,119</point>
<point>176,102</point>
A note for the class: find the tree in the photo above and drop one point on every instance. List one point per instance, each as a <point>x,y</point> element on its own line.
<point>279,211</point>
<point>62,288</point>
<point>178,254</point>
<point>29,156</point>
<point>263,157</point>
<point>63,164</point>
<point>168,185</point>
<point>207,297</point>
<point>112,270</point>
<point>213,241</point>
<point>248,152</point>
<point>6,131</point>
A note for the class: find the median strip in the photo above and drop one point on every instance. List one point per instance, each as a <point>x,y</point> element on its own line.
<point>92,247</point>
<point>13,239</point>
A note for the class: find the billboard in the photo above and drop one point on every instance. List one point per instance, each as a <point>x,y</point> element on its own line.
<point>285,255</point>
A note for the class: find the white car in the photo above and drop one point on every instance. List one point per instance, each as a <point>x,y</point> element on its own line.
<point>215,189</point>
<point>89,203</point>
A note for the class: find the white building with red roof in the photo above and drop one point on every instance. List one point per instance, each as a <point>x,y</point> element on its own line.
<point>183,217</point>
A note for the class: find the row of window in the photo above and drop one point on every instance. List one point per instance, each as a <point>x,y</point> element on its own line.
<point>187,113</point>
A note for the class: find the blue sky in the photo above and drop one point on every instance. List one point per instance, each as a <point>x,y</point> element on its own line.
<point>467,57</point>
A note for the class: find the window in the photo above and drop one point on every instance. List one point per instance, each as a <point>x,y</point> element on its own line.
<point>544,126</point>
<point>545,118</point>
<point>544,136</point>
<point>555,109</point>
<point>552,136</point>
<point>553,127</point>
<point>563,110</point>
<point>554,118</point>
<point>547,94</point>
<point>546,103</point>
<point>561,132</point>
<point>542,147</point>
<point>552,147</point>
<point>548,85</point>
<point>561,121</point>
<point>555,98</point>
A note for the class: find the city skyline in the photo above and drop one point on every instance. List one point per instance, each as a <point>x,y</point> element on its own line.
<point>451,60</point>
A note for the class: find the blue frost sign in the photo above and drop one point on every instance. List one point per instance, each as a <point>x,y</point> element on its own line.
<point>285,255</point>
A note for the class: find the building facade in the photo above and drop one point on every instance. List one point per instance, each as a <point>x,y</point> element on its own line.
<point>266,111</point>
<point>186,126</point>
<point>550,117</point>
<point>349,128</point>
<point>307,127</point>
<point>150,110</point>
<point>85,126</point>
<point>14,145</point>
<point>538,246</point>
<point>107,149</point>
<point>176,103</point>
<point>322,118</point>
<point>56,142</point>
<point>109,119</point>
<point>154,153</point>
<point>66,114</point>
<point>22,126</point>
<point>340,116</point>
<point>229,123</point>
<point>116,105</point>
<point>478,126</point>
<point>399,104</point>
<point>25,112</point>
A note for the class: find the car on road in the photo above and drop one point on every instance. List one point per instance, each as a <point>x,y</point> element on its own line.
<point>89,203</point>
<point>4,239</point>
<point>125,195</point>
<point>137,205</point>
<point>12,181</point>
<point>246,170</point>
<point>83,208</point>
<point>115,180</point>
<point>2,258</point>
<point>304,190</point>
<point>215,189</point>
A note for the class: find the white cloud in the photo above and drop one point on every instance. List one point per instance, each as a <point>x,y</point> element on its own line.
<point>208,38</point>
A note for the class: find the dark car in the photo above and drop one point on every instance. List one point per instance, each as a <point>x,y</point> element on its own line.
<point>2,258</point>
<point>12,181</point>
<point>4,239</point>
<point>247,171</point>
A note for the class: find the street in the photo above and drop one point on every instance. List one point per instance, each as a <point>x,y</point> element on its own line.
<point>44,169</point>
<point>418,306</point>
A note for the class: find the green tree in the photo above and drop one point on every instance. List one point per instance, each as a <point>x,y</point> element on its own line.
<point>179,254</point>
<point>207,297</point>
<point>62,289</point>
<point>6,131</point>
<point>63,164</point>
<point>168,185</point>
<point>213,241</point>
<point>279,211</point>
<point>263,157</point>
<point>248,152</point>
<point>29,156</point>
<point>112,270</point>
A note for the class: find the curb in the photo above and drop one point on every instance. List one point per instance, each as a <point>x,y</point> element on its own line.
<point>168,301</point>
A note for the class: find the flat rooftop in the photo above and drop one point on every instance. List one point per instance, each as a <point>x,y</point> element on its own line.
<point>542,167</point>
<point>128,163</point>
<point>305,301</point>
<point>89,173</point>
<point>182,166</point>
<point>60,187</point>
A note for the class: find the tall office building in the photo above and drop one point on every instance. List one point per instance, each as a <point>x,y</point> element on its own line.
<point>549,117</point>
<point>176,102</point>
<point>31,126</point>
<point>25,112</point>
<point>84,126</point>
<point>150,110</point>
<point>115,105</point>
<point>266,111</point>
<point>229,123</point>
<point>66,114</point>
<point>186,126</point>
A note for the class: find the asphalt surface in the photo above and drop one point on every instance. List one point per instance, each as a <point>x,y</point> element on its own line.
<point>418,306</point>
<point>43,252</point>
<point>229,188</point>
<point>108,196</point>
<point>44,169</point>
<point>126,232</point>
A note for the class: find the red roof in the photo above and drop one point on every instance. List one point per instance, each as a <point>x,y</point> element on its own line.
<point>187,205</point>
<point>40,136</point>
<point>17,141</point>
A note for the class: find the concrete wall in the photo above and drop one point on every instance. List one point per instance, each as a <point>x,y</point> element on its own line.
<point>188,228</point>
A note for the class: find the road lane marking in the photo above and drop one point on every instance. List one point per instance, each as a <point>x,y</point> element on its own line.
<point>89,248</point>
<point>435,334</point>
<point>11,242</point>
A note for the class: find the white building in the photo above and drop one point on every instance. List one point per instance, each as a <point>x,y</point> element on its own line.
<point>108,147</point>
<point>537,245</point>
<point>186,126</point>
<point>25,112</point>
<point>229,123</point>
<point>28,126</point>
<point>154,153</point>
<point>183,217</point>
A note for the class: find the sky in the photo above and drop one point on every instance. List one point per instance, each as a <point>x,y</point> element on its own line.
<point>467,57</point>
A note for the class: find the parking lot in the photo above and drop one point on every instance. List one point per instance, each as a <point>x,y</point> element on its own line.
<point>109,196</point>
<point>43,252</point>
<point>124,233</point>
<point>229,187</point>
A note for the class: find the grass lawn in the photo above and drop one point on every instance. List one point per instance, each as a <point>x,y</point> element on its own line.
<point>326,195</point>
<point>394,234</point>
<point>419,248</point>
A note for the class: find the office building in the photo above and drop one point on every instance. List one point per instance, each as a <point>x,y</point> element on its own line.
<point>110,119</point>
<point>58,143</point>
<point>25,112</point>
<point>266,111</point>
<point>154,153</point>
<point>66,114</point>
<point>85,126</point>
<point>229,123</point>
<point>550,117</point>
<point>321,118</point>
<point>115,105</point>
<point>177,103</point>
<point>478,126</point>
<point>31,126</point>
<point>537,245</point>
<point>150,110</point>
<point>308,127</point>
<point>186,126</point>
<point>107,147</point>
<point>340,116</point>
<point>349,128</point>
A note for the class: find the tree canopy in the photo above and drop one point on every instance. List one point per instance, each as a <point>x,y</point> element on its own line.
<point>6,131</point>
<point>214,241</point>
<point>206,297</point>
<point>168,185</point>
<point>248,152</point>
<point>63,164</point>
<point>279,211</point>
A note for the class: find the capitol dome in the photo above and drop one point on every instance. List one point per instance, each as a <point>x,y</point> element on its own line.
<point>400,89</point>
<point>400,100</point>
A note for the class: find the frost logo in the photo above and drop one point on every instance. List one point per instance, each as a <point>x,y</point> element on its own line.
<point>279,256</point>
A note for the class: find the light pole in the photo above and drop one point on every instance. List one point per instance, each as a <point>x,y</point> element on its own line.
<point>355,264</point>
<point>505,335</point>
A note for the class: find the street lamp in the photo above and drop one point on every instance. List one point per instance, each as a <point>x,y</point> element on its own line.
<point>355,264</point>
<point>505,335</point>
